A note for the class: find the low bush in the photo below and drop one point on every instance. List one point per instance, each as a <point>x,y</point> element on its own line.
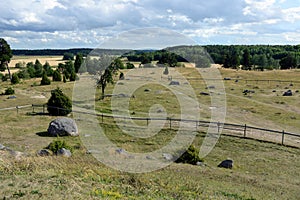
<point>190,156</point>
<point>9,91</point>
<point>58,144</point>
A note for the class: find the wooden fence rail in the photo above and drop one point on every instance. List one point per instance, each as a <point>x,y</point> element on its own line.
<point>242,130</point>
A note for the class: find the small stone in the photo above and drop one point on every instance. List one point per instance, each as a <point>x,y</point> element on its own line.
<point>174,83</point>
<point>64,152</point>
<point>44,152</point>
<point>167,156</point>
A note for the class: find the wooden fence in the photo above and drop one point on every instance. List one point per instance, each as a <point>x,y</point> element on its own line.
<point>245,131</point>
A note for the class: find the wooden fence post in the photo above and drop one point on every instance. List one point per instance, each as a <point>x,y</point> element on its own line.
<point>196,125</point>
<point>17,107</point>
<point>43,108</point>
<point>170,119</point>
<point>218,124</point>
<point>147,121</point>
<point>245,130</point>
<point>32,108</point>
<point>282,141</point>
<point>102,117</point>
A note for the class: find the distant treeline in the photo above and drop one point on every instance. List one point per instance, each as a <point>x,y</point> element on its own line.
<point>250,57</point>
<point>59,52</point>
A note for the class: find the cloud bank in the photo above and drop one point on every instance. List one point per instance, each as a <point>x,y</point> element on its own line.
<point>66,24</point>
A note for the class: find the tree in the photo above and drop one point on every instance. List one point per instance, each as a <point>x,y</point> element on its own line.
<point>56,76</point>
<point>47,68</point>
<point>30,69</point>
<point>68,56</point>
<point>45,80</point>
<point>246,60</point>
<point>78,62</point>
<point>73,76</point>
<point>106,73</point>
<point>288,62</point>
<point>5,56</point>
<point>59,104</point>
<point>38,67</point>
<point>129,65</point>
<point>15,79</point>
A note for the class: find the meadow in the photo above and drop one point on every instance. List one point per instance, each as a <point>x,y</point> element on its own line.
<point>262,170</point>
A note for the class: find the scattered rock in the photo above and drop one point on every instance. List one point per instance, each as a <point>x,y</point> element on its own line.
<point>291,85</point>
<point>63,127</point>
<point>227,79</point>
<point>12,97</point>
<point>174,83</point>
<point>167,156</point>
<point>64,152</point>
<point>44,152</point>
<point>274,91</point>
<point>228,164</point>
<point>211,87</point>
<point>147,90</point>
<point>288,93</point>
<point>202,164</point>
<point>245,92</point>
<point>204,93</point>
<point>236,81</point>
<point>297,91</point>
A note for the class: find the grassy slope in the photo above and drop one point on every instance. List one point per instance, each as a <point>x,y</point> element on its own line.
<point>261,171</point>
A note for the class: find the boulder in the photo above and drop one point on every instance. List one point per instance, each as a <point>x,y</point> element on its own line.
<point>228,164</point>
<point>288,93</point>
<point>64,152</point>
<point>174,83</point>
<point>63,127</point>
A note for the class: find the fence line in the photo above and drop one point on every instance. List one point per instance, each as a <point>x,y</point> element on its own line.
<point>243,130</point>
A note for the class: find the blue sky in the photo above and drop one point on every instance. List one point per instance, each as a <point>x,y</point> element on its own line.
<point>35,24</point>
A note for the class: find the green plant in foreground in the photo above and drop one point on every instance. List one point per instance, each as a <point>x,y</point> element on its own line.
<point>57,145</point>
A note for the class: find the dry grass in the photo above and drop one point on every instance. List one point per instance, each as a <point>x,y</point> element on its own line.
<point>261,170</point>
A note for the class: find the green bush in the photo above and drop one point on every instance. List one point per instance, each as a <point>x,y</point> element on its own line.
<point>56,76</point>
<point>58,144</point>
<point>15,79</point>
<point>166,71</point>
<point>5,77</point>
<point>191,156</point>
<point>45,80</point>
<point>73,76</point>
<point>9,91</point>
<point>59,104</point>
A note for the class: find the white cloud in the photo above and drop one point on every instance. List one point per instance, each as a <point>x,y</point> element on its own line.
<point>83,23</point>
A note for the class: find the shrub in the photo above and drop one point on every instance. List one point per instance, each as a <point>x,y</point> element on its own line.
<point>73,76</point>
<point>15,79</point>
<point>64,79</point>
<point>56,76</point>
<point>9,91</point>
<point>191,156</point>
<point>58,144</point>
<point>166,71</point>
<point>5,77</point>
<point>59,104</point>
<point>45,80</point>
<point>121,77</point>
<point>129,65</point>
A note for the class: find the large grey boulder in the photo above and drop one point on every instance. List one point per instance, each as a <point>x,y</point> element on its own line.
<point>63,127</point>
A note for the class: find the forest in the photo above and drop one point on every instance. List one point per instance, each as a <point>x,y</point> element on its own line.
<point>247,57</point>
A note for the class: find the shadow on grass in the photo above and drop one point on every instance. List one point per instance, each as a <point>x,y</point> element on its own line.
<point>44,134</point>
<point>36,113</point>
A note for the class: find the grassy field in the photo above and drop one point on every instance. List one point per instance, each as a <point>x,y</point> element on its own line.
<point>261,170</point>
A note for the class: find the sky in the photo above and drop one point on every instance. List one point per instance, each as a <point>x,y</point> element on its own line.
<point>54,24</point>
